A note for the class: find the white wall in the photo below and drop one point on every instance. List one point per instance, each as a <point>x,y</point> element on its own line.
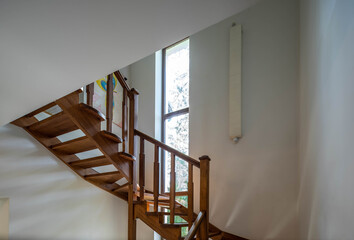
<point>48,200</point>
<point>253,182</point>
<point>4,218</point>
<point>51,48</point>
<point>327,117</point>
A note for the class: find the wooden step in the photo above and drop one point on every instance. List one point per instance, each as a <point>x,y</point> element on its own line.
<point>174,225</point>
<point>150,197</point>
<point>165,214</point>
<point>92,111</point>
<point>77,145</point>
<point>111,136</point>
<point>122,188</point>
<point>126,156</point>
<point>53,126</point>
<point>91,162</point>
<point>108,177</point>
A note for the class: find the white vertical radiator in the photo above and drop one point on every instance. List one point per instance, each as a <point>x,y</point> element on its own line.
<point>235,127</point>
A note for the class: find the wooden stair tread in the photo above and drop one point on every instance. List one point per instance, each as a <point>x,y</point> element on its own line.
<point>150,197</point>
<point>93,111</point>
<point>111,136</point>
<point>122,188</point>
<point>91,162</point>
<point>165,214</point>
<point>126,156</point>
<point>77,145</point>
<point>108,177</point>
<point>154,223</point>
<point>176,225</point>
<point>53,126</point>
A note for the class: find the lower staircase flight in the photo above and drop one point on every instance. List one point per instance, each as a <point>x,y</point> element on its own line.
<point>160,211</point>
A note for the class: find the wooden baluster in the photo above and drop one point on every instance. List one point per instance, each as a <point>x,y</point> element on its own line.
<point>156,179</point>
<point>142,169</point>
<point>109,103</point>
<point>133,120</point>
<point>89,94</point>
<point>190,195</point>
<point>204,195</point>
<point>133,124</point>
<point>172,188</point>
<point>131,218</point>
<point>124,119</point>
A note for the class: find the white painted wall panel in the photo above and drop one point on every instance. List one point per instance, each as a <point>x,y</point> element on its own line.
<point>235,86</point>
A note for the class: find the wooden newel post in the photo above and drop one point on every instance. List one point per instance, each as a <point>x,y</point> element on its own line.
<point>142,169</point>
<point>133,124</point>
<point>204,195</point>
<point>89,93</point>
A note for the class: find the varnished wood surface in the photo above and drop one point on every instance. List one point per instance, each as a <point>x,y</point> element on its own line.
<point>195,226</point>
<point>154,223</point>
<point>121,80</point>
<point>111,136</point>
<point>172,188</point>
<point>108,177</point>
<point>93,111</point>
<point>77,145</point>
<point>89,93</point>
<point>109,103</point>
<point>53,126</point>
<point>204,195</point>
<point>91,162</point>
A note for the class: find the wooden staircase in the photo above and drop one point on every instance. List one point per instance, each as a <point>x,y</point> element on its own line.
<point>158,210</point>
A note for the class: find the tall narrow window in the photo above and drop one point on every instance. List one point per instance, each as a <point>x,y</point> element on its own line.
<point>175,118</point>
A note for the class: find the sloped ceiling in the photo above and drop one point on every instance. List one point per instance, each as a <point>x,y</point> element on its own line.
<point>50,48</point>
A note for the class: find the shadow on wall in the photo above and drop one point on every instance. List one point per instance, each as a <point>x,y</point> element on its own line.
<point>4,218</point>
<point>48,201</point>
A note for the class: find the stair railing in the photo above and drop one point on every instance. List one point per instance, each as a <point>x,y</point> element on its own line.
<point>130,135</point>
<point>128,116</point>
<point>129,123</point>
<point>195,226</point>
<point>203,165</point>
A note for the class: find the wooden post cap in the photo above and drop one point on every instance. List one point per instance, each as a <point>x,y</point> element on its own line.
<point>204,157</point>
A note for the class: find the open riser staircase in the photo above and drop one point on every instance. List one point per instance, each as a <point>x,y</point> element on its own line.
<point>160,211</point>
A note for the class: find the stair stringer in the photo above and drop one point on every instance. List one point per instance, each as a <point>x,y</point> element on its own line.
<point>91,127</point>
<point>154,223</point>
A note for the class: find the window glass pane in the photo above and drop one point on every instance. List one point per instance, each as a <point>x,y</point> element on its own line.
<point>177,77</point>
<point>177,136</point>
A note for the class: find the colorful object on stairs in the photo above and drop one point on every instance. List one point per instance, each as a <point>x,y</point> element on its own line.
<point>99,98</point>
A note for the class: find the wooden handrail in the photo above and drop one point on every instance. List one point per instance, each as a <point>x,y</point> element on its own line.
<point>195,226</point>
<point>167,148</point>
<point>121,80</point>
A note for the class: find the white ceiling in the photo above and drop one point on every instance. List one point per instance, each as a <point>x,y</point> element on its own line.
<point>49,48</point>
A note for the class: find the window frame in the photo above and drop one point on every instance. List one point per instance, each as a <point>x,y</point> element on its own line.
<point>164,115</point>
